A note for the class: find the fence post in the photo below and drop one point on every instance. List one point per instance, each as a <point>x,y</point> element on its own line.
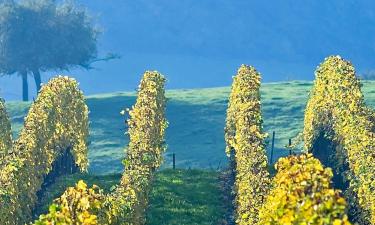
<point>174,161</point>
<point>272,146</point>
<point>290,146</point>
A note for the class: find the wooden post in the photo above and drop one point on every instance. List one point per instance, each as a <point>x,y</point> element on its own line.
<point>290,146</point>
<point>174,161</point>
<point>272,146</point>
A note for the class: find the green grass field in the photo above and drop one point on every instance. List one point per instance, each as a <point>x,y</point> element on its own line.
<point>196,123</point>
<point>177,197</point>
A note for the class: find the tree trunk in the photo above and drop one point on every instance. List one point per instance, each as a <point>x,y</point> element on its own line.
<point>38,80</point>
<point>25,87</point>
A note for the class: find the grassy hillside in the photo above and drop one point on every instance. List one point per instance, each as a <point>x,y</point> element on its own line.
<point>185,197</point>
<point>178,196</point>
<point>196,121</point>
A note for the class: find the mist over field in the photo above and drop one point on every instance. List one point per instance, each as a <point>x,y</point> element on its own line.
<point>202,43</point>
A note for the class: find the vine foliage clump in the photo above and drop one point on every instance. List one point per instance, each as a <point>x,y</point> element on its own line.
<point>57,122</point>
<point>129,200</point>
<point>336,108</point>
<point>147,125</point>
<point>87,203</point>
<point>245,145</point>
<point>5,131</point>
<point>302,194</point>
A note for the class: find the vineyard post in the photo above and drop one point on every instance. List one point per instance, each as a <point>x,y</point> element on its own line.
<point>174,161</point>
<point>290,146</point>
<point>272,146</point>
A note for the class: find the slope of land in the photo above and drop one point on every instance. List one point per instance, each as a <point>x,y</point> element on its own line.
<point>196,123</point>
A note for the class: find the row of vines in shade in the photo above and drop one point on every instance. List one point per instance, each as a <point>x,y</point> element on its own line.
<point>57,124</point>
<point>129,200</point>
<point>338,133</point>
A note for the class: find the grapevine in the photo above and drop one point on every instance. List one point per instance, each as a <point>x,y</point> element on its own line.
<point>129,200</point>
<point>245,145</point>
<point>57,122</point>
<point>336,108</point>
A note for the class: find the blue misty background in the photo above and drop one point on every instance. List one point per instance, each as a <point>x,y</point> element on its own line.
<point>200,43</point>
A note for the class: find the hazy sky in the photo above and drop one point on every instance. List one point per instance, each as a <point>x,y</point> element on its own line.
<point>201,43</point>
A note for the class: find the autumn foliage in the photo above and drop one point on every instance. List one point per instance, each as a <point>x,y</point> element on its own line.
<point>147,124</point>
<point>245,145</point>
<point>5,131</point>
<point>57,121</point>
<point>86,202</point>
<point>336,108</point>
<point>128,202</point>
<point>302,194</point>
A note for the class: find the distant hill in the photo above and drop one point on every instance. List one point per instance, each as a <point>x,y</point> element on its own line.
<point>196,123</point>
<point>201,43</point>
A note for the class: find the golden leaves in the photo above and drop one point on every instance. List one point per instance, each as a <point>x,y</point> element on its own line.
<point>57,120</point>
<point>245,145</point>
<point>78,205</point>
<point>5,132</point>
<point>301,194</point>
<point>128,201</point>
<point>146,131</point>
<point>336,102</point>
